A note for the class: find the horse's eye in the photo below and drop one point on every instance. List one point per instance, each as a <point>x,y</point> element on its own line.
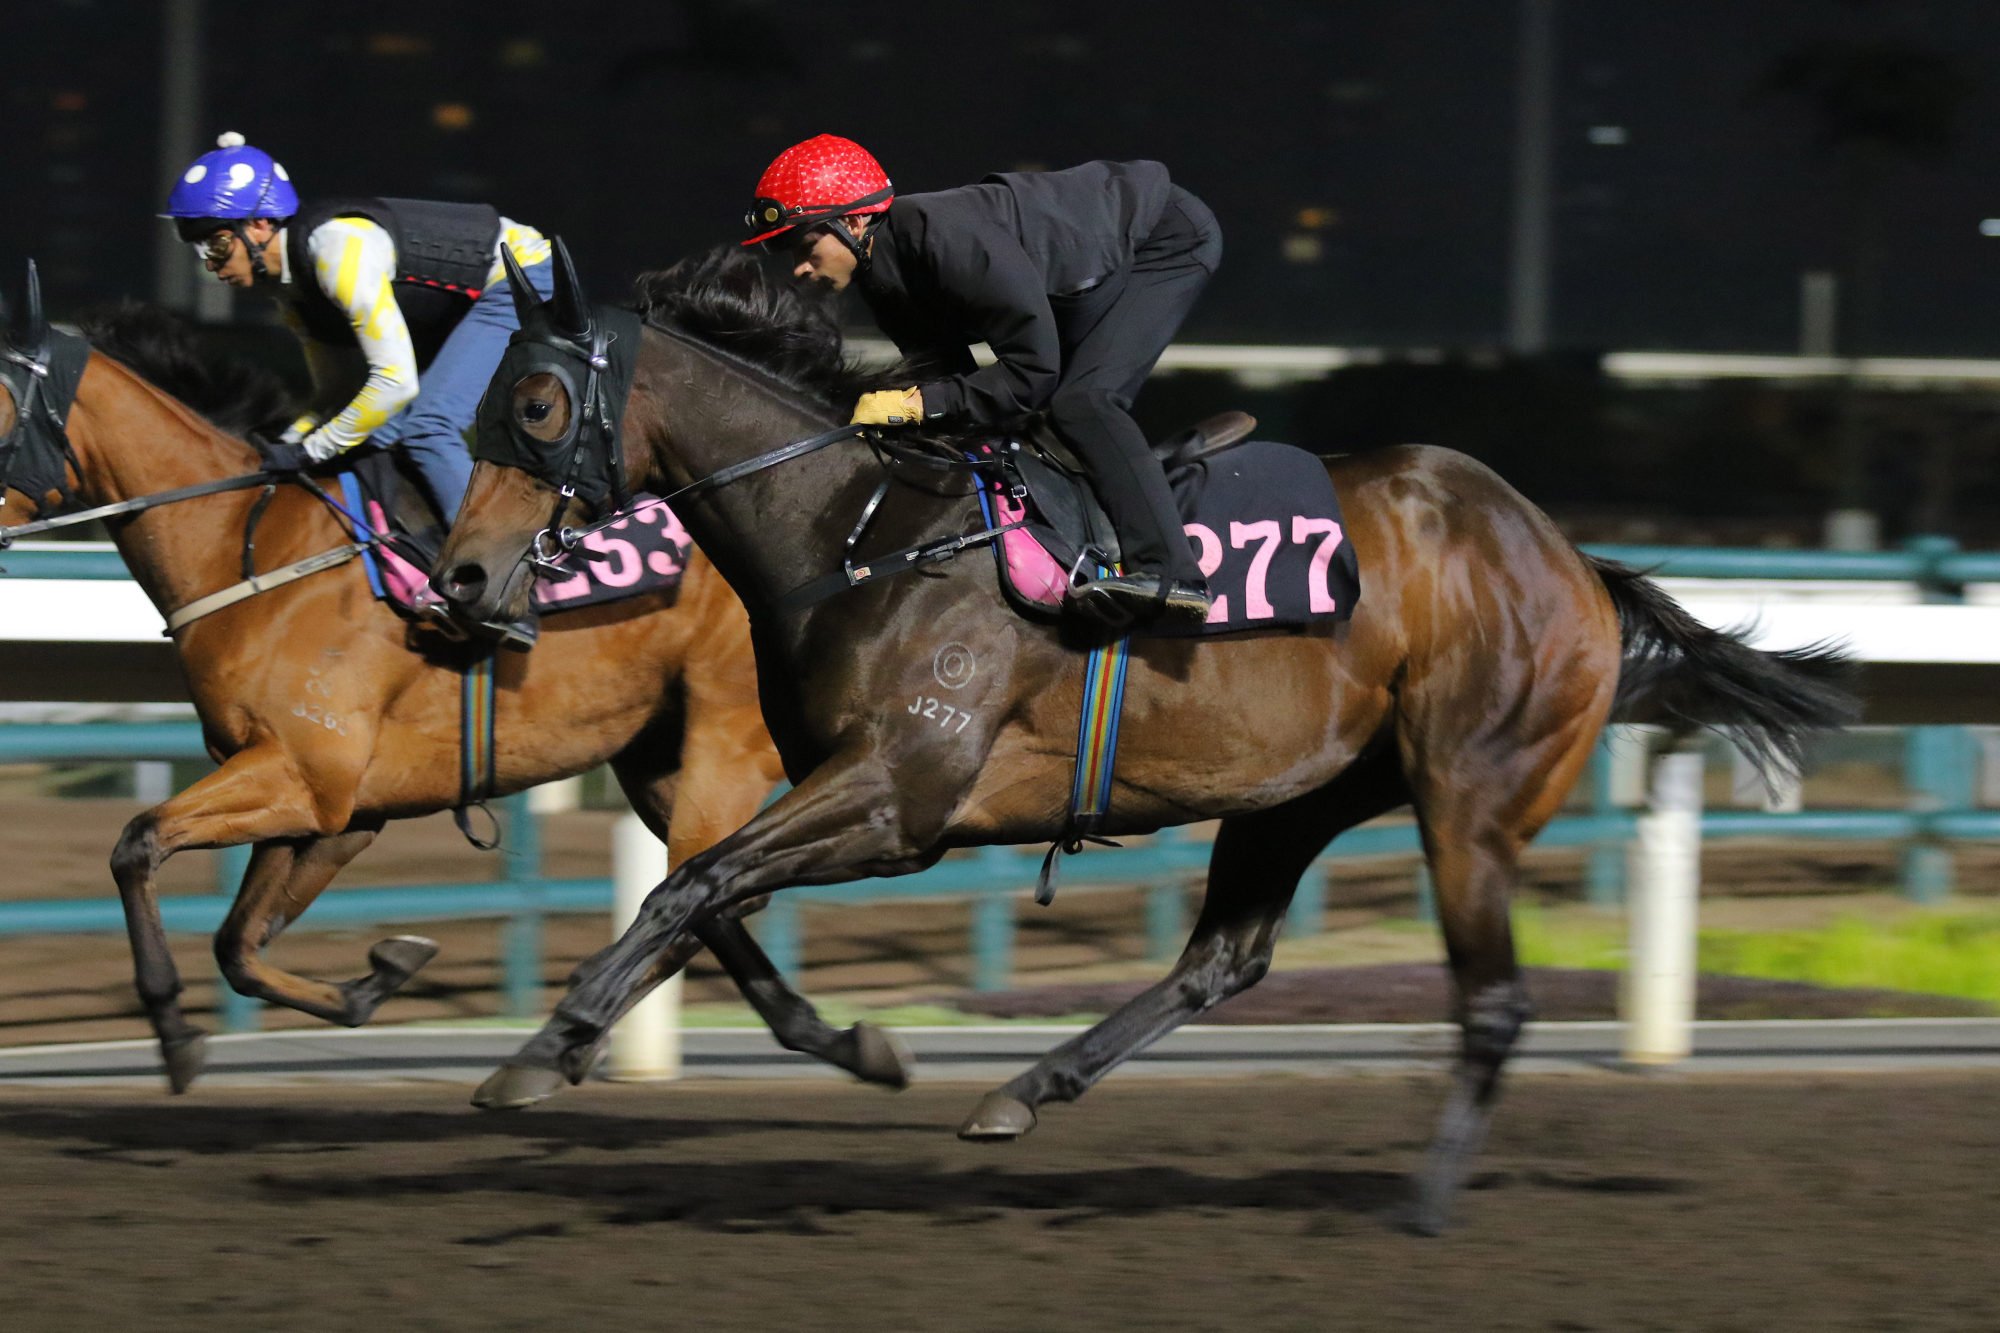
<point>536,413</point>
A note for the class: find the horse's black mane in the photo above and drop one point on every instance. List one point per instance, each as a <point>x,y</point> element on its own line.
<point>732,301</point>
<point>233,394</point>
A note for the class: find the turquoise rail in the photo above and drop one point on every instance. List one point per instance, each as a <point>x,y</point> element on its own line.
<point>1939,760</point>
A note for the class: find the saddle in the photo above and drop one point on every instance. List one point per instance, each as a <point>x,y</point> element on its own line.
<point>1262,517</point>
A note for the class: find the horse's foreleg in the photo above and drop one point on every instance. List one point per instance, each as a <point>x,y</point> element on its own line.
<point>1252,875</point>
<point>727,769</point>
<point>254,797</point>
<point>872,1054</point>
<point>134,862</point>
<point>283,880</point>
<point>839,824</point>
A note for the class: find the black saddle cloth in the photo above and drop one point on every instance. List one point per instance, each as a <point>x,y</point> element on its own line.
<point>1262,518</point>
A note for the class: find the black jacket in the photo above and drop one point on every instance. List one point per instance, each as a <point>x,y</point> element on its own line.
<point>992,263</point>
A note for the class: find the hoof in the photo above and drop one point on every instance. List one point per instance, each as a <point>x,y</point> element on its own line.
<point>1428,1218</point>
<point>185,1058</point>
<point>399,958</point>
<point>881,1057</point>
<point>997,1117</point>
<point>511,1087</point>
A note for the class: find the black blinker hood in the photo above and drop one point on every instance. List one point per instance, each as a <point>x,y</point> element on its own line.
<point>587,458</point>
<point>40,368</point>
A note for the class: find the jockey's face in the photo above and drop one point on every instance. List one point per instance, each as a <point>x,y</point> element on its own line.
<point>823,257</point>
<point>228,258</point>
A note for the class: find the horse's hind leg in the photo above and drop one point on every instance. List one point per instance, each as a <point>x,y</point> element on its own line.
<point>284,878</point>
<point>1479,804</point>
<point>1252,875</point>
<point>722,784</point>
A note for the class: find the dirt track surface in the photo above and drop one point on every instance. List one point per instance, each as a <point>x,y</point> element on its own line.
<point>1602,1203</point>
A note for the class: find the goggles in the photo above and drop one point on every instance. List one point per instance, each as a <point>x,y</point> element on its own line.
<point>767,213</point>
<point>212,241</point>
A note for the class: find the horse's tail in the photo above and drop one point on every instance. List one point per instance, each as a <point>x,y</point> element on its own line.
<point>1680,673</point>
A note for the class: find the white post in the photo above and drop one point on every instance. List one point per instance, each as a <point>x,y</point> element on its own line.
<point>558,798</point>
<point>1666,881</point>
<point>1631,754</point>
<point>1746,788</point>
<point>152,781</point>
<point>646,1044</point>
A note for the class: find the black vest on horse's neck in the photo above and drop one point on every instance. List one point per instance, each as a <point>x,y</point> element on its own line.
<point>443,254</point>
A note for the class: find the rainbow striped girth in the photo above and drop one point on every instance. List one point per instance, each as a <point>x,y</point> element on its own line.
<point>1096,758</point>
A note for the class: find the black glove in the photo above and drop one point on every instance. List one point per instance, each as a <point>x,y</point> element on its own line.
<point>282,456</point>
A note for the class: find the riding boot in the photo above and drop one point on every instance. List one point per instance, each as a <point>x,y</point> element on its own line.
<point>1120,601</point>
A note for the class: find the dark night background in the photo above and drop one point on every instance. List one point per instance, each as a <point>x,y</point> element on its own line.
<point>1360,155</point>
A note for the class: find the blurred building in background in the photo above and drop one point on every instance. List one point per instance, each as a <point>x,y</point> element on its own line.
<point>1361,155</point>
<point>1717,175</point>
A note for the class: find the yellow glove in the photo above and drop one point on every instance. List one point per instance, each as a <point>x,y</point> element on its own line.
<point>889,407</point>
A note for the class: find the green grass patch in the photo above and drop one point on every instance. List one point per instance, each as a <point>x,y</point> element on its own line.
<point>1944,953</point>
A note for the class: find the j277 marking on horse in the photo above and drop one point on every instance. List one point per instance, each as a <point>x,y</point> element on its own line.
<point>1266,534</point>
<point>925,706</point>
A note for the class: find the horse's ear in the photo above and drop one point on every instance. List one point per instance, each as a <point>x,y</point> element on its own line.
<point>28,330</point>
<point>570,312</point>
<point>526,303</point>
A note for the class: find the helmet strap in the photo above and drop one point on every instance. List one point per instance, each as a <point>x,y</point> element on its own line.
<point>255,249</point>
<point>863,251</point>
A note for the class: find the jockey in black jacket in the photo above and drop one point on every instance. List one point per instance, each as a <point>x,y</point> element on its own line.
<point>1077,280</point>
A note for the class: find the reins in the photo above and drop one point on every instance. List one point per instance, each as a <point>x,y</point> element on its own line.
<point>552,544</point>
<point>8,536</point>
<point>251,584</point>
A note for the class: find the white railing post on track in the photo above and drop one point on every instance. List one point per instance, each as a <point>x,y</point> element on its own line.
<point>646,1044</point>
<point>1665,877</point>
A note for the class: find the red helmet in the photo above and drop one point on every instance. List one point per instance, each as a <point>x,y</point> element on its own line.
<point>825,177</point>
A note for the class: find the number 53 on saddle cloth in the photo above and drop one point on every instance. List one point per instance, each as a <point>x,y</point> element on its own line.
<point>645,551</point>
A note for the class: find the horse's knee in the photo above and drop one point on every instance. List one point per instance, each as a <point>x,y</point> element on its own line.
<point>137,854</point>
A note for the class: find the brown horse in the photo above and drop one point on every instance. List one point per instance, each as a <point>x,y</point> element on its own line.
<point>330,716</point>
<point>1483,659</point>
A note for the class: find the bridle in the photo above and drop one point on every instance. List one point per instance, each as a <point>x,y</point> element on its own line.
<point>36,457</point>
<point>598,470</point>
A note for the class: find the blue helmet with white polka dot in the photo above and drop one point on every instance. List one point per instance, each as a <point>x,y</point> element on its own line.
<point>235,181</point>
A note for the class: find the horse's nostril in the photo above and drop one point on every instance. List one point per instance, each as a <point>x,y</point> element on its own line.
<point>465,581</point>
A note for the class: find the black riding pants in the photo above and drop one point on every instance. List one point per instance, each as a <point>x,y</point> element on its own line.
<point>1112,335</point>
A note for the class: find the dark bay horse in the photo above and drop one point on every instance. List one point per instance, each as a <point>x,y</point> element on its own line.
<point>1484,657</point>
<point>329,716</point>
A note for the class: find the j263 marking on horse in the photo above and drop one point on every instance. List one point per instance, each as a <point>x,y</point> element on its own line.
<point>314,714</point>
<point>1266,536</point>
<point>926,706</point>
<point>321,687</point>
